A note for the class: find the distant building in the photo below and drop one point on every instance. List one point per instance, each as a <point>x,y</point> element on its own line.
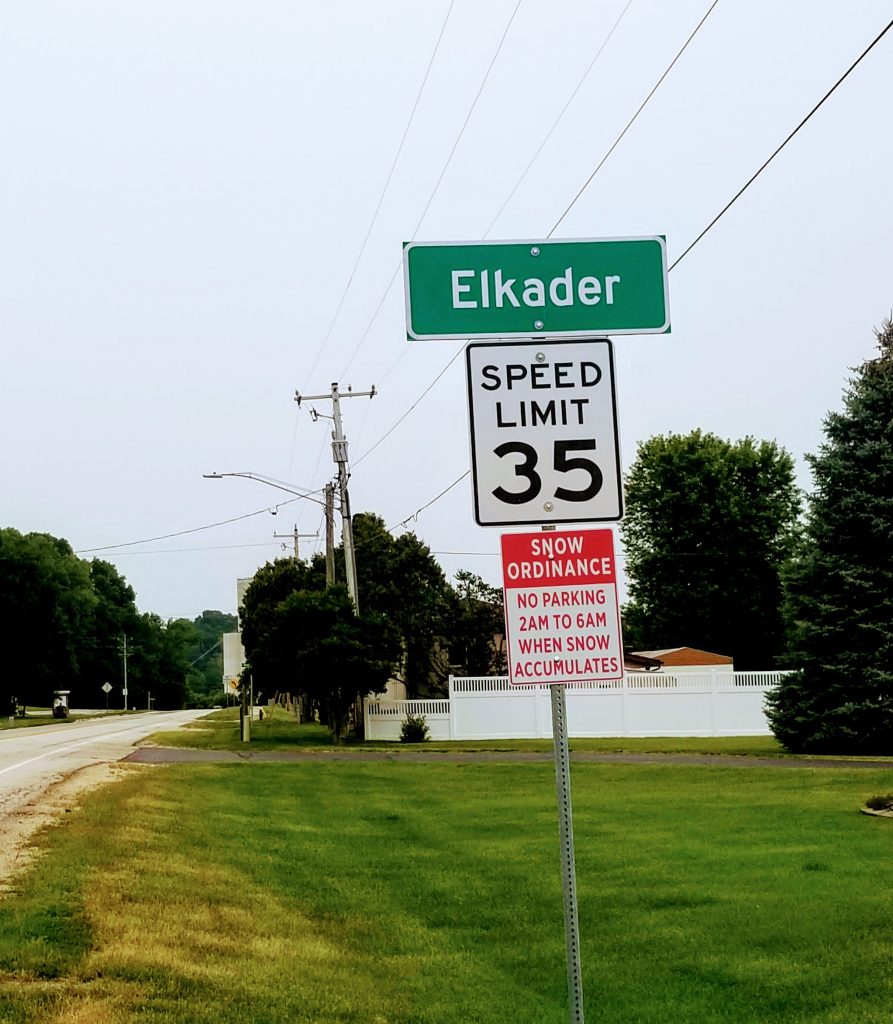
<point>233,651</point>
<point>682,659</point>
<point>233,658</point>
<point>639,662</point>
<point>242,585</point>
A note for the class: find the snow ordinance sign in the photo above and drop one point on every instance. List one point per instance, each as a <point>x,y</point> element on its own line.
<point>561,611</point>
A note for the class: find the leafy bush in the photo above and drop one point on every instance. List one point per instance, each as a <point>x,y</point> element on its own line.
<point>880,803</point>
<point>211,700</point>
<point>414,729</point>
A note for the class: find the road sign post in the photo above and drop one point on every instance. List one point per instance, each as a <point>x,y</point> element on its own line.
<point>563,626</point>
<point>544,435</point>
<point>583,288</point>
<point>566,847</point>
<point>545,449</point>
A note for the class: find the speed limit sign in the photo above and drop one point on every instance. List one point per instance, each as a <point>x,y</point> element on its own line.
<point>544,439</point>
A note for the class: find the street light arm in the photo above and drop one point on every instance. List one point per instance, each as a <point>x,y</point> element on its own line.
<point>270,482</point>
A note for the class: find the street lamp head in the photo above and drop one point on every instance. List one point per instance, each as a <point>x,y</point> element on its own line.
<point>212,476</point>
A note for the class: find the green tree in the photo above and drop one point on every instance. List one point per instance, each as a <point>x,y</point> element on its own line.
<point>269,650</point>
<point>114,616</point>
<point>841,587</point>
<point>476,640</point>
<point>399,578</point>
<point>336,655</point>
<point>709,526</point>
<point>401,588</point>
<point>205,653</point>
<point>64,621</point>
<point>46,607</point>
<point>159,664</point>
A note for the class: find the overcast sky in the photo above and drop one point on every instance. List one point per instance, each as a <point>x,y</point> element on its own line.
<point>187,186</point>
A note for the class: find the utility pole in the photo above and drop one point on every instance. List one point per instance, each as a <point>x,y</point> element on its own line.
<point>294,536</point>
<point>125,670</point>
<point>339,454</point>
<point>330,534</point>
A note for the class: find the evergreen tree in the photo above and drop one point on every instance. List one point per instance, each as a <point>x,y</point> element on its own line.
<point>840,605</point>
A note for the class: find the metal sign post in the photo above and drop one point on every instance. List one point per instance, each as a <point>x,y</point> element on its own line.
<point>568,870</point>
<point>562,626</point>
<point>544,447</point>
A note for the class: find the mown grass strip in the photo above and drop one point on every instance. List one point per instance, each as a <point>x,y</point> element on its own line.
<point>280,731</point>
<point>405,893</point>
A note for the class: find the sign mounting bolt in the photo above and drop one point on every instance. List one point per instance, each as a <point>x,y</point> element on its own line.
<point>548,506</point>
<point>537,325</point>
<point>534,250</point>
<point>541,357</point>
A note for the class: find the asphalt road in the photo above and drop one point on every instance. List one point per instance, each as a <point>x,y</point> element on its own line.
<point>34,759</point>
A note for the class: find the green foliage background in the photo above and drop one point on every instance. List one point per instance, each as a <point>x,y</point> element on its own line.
<point>709,527</point>
<point>413,626</point>
<point>64,620</point>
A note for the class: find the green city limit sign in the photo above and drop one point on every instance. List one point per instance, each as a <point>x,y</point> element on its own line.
<point>576,288</point>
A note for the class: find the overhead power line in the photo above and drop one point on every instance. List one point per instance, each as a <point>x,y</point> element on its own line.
<point>384,190</point>
<point>559,118</point>
<point>204,654</point>
<point>437,184</point>
<point>790,136</point>
<point>471,110</point>
<point>686,251</point>
<point>195,529</point>
<point>727,206</point>
<point>632,120</point>
<point>415,514</point>
<point>599,166</point>
<point>180,551</point>
<point>394,426</point>
<point>366,237</point>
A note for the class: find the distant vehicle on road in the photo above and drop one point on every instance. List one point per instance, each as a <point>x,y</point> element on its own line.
<point>60,703</point>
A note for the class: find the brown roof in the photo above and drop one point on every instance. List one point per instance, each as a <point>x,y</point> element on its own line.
<point>686,656</point>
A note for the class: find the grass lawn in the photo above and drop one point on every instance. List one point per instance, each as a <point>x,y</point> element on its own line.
<point>220,731</point>
<point>390,893</point>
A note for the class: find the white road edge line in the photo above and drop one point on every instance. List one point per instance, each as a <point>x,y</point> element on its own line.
<point>65,750</point>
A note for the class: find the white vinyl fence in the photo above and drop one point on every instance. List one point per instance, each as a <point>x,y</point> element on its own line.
<point>714,703</point>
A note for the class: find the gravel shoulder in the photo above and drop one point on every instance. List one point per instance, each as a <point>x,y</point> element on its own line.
<point>26,816</point>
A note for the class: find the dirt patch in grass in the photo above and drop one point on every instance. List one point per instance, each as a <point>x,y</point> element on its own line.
<point>38,810</point>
